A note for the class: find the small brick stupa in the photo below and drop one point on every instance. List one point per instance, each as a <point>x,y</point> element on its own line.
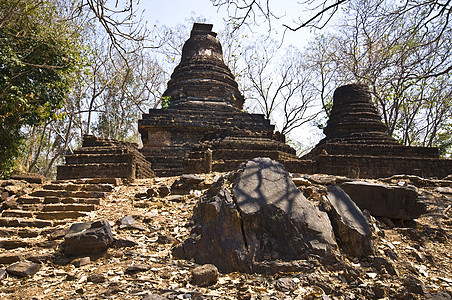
<point>357,143</point>
<point>204,128</point>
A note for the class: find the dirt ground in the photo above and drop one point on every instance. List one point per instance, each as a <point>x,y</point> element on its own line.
<point>413,259</point>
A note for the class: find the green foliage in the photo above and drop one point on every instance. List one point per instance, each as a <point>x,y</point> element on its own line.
<point>166,101</point>
<point>38,51</point>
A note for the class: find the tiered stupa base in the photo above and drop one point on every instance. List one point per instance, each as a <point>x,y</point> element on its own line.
<point>198,138</point>
<point>105,158</point>
<point>357,143</point>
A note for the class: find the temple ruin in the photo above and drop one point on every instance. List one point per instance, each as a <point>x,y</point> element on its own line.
<point>105,158</point>
<point>357,143</point>
<point>203,128</point>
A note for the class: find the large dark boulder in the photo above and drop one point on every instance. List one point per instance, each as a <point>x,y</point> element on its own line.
<point>88,238</point>
<point>256,220</point>
<point>349,224</point>
<point>382,200</point>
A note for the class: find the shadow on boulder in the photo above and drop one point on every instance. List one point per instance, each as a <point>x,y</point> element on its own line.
<point>256,220</point>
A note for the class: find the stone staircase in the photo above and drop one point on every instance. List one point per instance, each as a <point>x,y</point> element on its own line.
<point>40,219</point>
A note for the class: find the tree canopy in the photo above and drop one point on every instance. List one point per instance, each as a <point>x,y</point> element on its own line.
<point>38,51</point>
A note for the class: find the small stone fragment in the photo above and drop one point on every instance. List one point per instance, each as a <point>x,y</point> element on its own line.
<point>128,222</point>
<point>7,259</point>
<point>70,277</point>
<point>23,269</point>
<point>137,269</point>
<point>192,179</point>
<point>166,239</point>
<point>414,285</point>
<point>88,238</point>
<point>125,242</point>
<point>285,285</point>
<point>81,261</point>
<point>301,181</point>
<point>153,297</point>
<point>96,278</point>
<point>204,275</point>
<point>164,190</point>
<point>2,273</point>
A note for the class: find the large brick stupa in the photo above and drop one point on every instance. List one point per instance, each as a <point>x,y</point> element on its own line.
<point>203,128</point>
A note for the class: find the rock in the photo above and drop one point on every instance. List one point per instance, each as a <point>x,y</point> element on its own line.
<point>285,285</point>
<point>444,190</point>
<point>152,192</point>
<point>41,258</point>
<point>88,238</point>
<point>137,269</point>
<point>299,181</point>
<point>96,278</point>
<point>6,259</point>
<point>125,242</point>
<point>58,234</point>
<point>186,183</point>
<point>204,275</point>
<point>166,239</point>
<point>414,285</point>
<point>81,261</point>
<point>267,219</point>
<point>164,190</point>
<point>142,195</point>
<point>30,177</point>
<point>384,265</point>
<point>192,179</point>
<point>448,177</point>
<point>23,269</point>
<point>70,276</point>
<point>128,222</point>
<point>153,297</point>
<point>438,296</point>
<point>350,227</point>
<point>14,189</point>
<point>383,200</point>
<point>2,273</point>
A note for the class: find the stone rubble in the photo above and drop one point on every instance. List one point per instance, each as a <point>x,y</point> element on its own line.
<point>419,249</point>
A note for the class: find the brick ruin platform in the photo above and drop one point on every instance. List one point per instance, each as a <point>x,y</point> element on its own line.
<point>204,128</point>
<point>105,158</point>
<point>357,143</point>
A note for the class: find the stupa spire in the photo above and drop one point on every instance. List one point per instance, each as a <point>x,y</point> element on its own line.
<point>202,74</point>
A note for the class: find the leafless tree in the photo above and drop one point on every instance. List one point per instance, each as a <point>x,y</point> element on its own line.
<point>279,85</point>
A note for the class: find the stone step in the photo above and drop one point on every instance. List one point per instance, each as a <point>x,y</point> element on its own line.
<point>63,193</point>
<point>113,181</point>
<point>18,243</point>
<point>26,222</point>
<point>54,200</point>
<point>69,207</point>
<point>14,243</point>
<point>16,213</point>
<point>10,256</point>
<point>22,232</point>
<point>60,215</point>
<point>29,200</point>
<point>90,187</point>
<point>93,170</point>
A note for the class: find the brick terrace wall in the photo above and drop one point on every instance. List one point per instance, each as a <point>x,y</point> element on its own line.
<point>377,167</point>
